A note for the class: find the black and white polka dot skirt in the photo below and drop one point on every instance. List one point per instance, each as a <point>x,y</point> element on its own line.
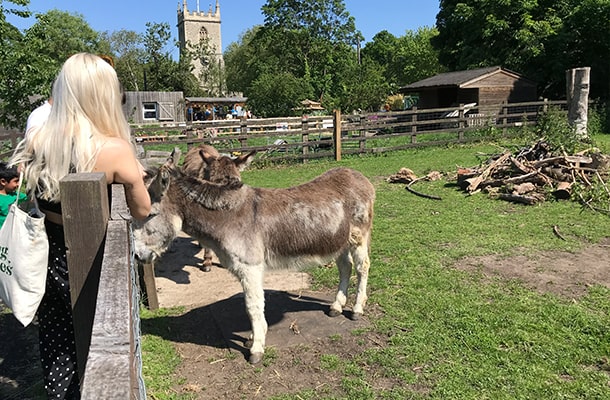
<point>56,329</point>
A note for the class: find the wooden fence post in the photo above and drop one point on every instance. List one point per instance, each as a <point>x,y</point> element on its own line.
<point>461,123</point>
<point>85,210</point>
<point>414,126</point>
<point>337,134</point>
<point>503,117</point>
<point>305,136</point>
<point>150,286</point>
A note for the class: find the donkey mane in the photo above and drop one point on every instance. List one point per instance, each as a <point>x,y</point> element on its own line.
<point>213,196</point>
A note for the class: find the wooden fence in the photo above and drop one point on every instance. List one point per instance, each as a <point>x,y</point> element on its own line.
<point>104,288</point>
<point>309,137</point>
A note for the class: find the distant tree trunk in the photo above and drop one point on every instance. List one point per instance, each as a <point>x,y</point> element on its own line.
<point>577,82</point>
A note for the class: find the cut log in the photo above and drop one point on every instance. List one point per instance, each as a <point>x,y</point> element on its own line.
<point>474,184</point>
<point>516,198</point>
<point>524,188</point>
<point>563,191</point>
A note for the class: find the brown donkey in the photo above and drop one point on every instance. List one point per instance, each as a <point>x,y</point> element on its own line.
<point>255,229</point>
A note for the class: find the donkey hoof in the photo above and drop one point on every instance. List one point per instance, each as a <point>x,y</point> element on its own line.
<point>334,313</point>
<point>255,358</point>
<point>356,316</point>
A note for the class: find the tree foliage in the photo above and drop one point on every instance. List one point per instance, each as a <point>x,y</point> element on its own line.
<point>310,45</point>
<point>127,48</point>
<point>407,58</point>
<point>538,38</point>
<point>30,61</point>
<point>12,67</point>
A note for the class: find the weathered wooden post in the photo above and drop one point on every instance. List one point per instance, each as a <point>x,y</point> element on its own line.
<point>414,125</point>
<point>103,288</point>
<point>577,82</point>
<point>85,211</point>
<point>461,123</point>
<point>243,130</point>
<point>305,136</point>
<point>337,134</point>
<point>503,117</point>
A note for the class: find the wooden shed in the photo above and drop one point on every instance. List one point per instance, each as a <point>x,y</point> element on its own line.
<point>487,87</point>
<point>154,107</point>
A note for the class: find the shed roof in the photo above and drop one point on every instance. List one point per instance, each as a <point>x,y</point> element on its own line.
<point>236,99</point>
<point>460,79</point>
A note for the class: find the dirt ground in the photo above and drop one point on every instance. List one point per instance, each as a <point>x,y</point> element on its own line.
<point>210,335</point>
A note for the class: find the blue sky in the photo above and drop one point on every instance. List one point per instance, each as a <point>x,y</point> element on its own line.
<point>395,16</point>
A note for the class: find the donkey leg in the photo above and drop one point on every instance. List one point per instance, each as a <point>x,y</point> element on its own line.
<point>344,264</point>
<point>362,263</point>
<point>251,278</point>
<point>206,266</point>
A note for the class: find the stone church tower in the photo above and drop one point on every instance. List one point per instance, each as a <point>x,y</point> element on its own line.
<point>195,26</point>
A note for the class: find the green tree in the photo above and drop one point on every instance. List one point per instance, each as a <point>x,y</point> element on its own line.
<point>55,36</point>
<point>161,72</point>
<point>307,43</point>
<point>276,94</point>
<point>240,62</point>
<point>30,60</point>
<point>363,87</point>
<point>416,58</point>
<point>157,59</point>
<point>517,34</point>
<point>128,51</point>
<point>584,41</point>
<point>13,66</point>
<point>405,59</point>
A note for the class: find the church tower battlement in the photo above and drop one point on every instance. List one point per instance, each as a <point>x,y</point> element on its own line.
<point>194,26</point>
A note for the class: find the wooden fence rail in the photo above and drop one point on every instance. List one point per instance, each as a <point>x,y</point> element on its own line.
<point>308,137</point>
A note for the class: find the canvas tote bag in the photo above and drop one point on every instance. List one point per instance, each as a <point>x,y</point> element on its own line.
<point>24,250</point>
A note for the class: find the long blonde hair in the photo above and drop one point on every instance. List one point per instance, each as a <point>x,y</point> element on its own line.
<point>86,110</point>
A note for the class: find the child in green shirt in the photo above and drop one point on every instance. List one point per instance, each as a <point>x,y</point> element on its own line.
<point>9,181</point>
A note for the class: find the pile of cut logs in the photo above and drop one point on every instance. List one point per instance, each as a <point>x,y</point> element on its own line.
<point>531,174</point>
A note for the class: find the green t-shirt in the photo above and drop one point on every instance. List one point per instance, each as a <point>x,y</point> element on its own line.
<point>5,202</point>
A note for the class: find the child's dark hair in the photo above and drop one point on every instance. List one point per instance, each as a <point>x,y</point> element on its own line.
<point>7,173</point>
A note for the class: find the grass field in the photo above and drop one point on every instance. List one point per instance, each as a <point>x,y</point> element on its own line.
<point>452,334</point>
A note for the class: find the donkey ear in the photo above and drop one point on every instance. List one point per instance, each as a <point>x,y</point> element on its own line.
<point>206,156</point>
<point>159,183</point>
<point>242,162</point>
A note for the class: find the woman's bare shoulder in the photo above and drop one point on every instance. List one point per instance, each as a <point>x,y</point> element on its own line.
<point>116,143</point>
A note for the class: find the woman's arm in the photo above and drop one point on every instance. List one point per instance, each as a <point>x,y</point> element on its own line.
<point>118,161</point>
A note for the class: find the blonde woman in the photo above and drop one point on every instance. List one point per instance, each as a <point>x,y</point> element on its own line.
<point>86,131</point>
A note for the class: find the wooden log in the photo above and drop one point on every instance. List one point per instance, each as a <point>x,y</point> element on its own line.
<point>516,198</point>
<point>523,188</point>
<point>474,184</point>
<point>520,166</point>
<point>563,191</point>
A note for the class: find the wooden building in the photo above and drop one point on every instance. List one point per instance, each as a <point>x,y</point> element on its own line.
<point>154,107</point>
<point>486,87</point>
